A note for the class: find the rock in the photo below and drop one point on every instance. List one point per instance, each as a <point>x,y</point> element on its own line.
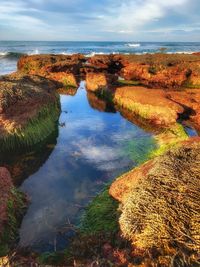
<point>141,101</point>
<point>66,79</point>
<point>101,62</point>
<point>162,70</point>
<point>29,108</point>
<point>12,204</point>
<point>190,98</point>
<point>61,68</point>
<point>105,63</point>
<point>100,104</point>
<point>98,81</point>
<point>160,203</point>
<point>158,70</point>
<point>121,187</point>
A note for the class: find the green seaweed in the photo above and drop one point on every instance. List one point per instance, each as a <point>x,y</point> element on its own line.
<point>36,129</point>
<point>139,149</point>
<point>129,82</point>
<point>101,215</point>
<point>177,134</point>
<point>99,223</point>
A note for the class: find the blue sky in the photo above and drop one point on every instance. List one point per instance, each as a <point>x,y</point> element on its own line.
<point>99,20</point>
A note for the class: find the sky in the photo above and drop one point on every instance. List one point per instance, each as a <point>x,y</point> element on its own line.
<point>100,20</point>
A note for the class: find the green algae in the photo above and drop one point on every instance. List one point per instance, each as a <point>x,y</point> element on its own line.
<point>99,224</point>
<point>169,138</point>
<point>129,82</point>
<point>36,129</point>
<point>139,149</point>
<point>101,215</point>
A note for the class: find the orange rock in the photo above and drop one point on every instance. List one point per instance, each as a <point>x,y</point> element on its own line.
<point>96,81</point>
<point>149,104</point>
<point>100,80</point>
<point>100,61</point>
<point>120,188</point>
<point>67,79</point>
<point>190,98</point>
<point>57,67</point>
<point>161,70</point>
<point>95,102</point>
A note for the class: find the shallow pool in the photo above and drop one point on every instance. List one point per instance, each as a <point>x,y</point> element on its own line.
<point>94,144</point>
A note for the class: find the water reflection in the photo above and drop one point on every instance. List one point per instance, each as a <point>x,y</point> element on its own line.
<point>25,162</point>
<point>90,151</point>
<point>100,104</point>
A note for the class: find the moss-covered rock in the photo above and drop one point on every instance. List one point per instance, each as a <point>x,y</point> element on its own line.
<point>29,109</point>
<point>160,210</point>
<point>151,105</point>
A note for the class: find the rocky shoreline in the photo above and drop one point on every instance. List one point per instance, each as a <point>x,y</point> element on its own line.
<point>159,213</point>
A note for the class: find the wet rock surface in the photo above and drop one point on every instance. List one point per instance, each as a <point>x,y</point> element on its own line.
<point>24,102</point>
<point>151,105</point>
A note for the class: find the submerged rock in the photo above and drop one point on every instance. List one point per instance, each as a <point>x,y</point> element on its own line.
<point>12,204</point>
<point>160,210</point>
<point>29,108</point>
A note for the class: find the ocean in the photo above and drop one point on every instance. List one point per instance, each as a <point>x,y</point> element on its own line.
<point>10,51</point>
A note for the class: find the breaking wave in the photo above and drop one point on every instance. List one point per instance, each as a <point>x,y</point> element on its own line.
<point>133,45</point>
<point>11,55</point>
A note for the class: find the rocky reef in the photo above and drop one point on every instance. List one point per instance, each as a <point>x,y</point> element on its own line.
<point>29,108</point>
<point>174,80</point>
<point>150,215</point>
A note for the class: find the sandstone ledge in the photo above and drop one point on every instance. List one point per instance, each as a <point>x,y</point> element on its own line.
<point>29,108</point>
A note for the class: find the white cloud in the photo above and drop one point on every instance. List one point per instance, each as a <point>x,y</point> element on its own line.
<point>133,15</point>
<point>92,20</point>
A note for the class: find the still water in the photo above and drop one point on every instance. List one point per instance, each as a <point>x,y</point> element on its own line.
<point>91,148</point>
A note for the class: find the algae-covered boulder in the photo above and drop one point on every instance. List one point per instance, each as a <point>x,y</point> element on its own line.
<point>151,105</point>
<point>29,108</point>
<point>161,210</point>
<point>12,204</point>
